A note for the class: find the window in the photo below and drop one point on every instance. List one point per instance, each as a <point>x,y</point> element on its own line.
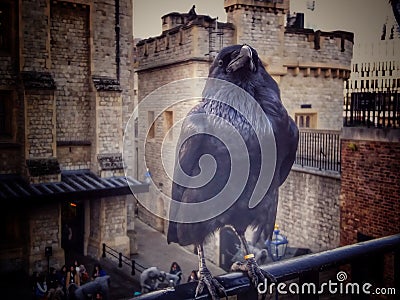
<point>306,120</point>
<point>168,123</point>
<point>150,123</point>
<point>5,115</point>
<point>5,27</point>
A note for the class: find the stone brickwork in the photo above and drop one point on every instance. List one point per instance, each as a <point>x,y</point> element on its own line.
<point>40,125</point>
<point>260,27</point>
<point>10,159</point>
<point>45,231</point>
<point>35,42</point>
<point>7,74</point>
<point>323,94</point>
<point>108,221</point>
<point>64,118</point>
<point>308,210</point>
<point>109,129</point>
<point>74,157</point>
<point>104,62</point>
<point>369,199</point>
<point>70,68</point>
<point>186,42</point>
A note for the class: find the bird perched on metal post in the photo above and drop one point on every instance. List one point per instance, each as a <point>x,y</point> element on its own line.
<point>236,148</point>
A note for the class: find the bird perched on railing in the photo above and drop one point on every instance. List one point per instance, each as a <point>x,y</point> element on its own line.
<point>236,147</point>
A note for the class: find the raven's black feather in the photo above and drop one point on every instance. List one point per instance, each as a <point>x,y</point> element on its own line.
<point>250,75</point>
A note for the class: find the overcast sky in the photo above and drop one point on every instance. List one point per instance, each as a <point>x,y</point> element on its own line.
<point>362,17</point>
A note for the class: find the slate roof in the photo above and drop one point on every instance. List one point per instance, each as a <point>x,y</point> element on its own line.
<point>73,183</point>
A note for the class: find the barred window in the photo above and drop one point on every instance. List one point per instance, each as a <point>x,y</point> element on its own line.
<point>5,115</point>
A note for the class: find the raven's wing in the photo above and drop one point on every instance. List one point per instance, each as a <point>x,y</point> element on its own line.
<point>188,157</point>
<point>285,129</point>
<point>286,140</point>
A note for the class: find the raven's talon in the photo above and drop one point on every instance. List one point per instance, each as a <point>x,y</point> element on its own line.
<point>212,284</point>
<point>252,269</point>
<point>269,276</point>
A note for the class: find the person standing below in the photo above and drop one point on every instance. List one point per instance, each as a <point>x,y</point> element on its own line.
<point>66,240</point>
<point>176,270</point>
<point>73,280</point>
<point>98,271</point>
<point>41,286</point>
<point>62,278</point>
<point>193,276</point>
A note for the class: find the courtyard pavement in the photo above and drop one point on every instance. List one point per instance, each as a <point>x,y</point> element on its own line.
<point>153,251</point>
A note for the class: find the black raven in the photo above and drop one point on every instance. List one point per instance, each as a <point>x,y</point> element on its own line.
<point>242,124</point>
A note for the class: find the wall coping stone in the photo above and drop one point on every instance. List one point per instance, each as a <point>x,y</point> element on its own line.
<point>312,171</point>
<point>389,135</point>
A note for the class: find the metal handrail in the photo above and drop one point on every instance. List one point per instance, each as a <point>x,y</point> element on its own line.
<point>306,268</point>
<point>122,259</point>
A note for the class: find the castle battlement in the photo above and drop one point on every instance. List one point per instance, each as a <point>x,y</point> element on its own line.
<point>195,39</point>
<point>303,50</point>
<point>273,6</point>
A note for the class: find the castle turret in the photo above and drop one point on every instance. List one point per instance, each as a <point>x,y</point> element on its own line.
<point>259,23</point>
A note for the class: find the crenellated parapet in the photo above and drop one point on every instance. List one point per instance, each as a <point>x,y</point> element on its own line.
<point>317,53</point>
<point>189,40</point>
<point>272,6</point>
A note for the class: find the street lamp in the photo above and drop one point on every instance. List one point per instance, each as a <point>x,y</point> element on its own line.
<point>276,246</point>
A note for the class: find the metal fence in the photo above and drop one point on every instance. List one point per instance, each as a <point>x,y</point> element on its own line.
<point>319,149</point>
<point>122,259</point>
<point>373,109</point>
<point>305,271</point>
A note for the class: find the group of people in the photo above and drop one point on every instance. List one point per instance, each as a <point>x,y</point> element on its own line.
<point>176,269</point>
<point>61,284</point>
<point>152,278</point>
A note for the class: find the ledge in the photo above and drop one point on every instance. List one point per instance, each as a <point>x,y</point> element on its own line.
<point>106,84</point>
<point>313,171</point>
<point>389,135</point>
<point>73,143</point>
<point>38,80</point>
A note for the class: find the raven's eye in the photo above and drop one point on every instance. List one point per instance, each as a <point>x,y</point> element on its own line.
<point>220,62</point>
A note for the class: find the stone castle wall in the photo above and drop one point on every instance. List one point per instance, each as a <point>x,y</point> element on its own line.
<point>40,121</point>
<point>68,110</point>
<point>70,67</point>
<point>323,94</point>
<point>308,210</point>
<point>186,42</point>
<point>108,224</point>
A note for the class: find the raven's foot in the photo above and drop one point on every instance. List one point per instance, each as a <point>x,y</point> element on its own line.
<point>214,287</point>
<point>252,269</point>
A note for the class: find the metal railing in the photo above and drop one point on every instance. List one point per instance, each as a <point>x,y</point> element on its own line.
<point>373,109</point>
<point>305,271</point>
<point>319,149</point>
<point>122,259</point>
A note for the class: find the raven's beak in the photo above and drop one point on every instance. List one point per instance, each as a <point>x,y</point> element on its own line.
<point>245,55</point>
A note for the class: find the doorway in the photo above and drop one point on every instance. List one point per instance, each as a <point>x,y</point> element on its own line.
<point>72,222</point>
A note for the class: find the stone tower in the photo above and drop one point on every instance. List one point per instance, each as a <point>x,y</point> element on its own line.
<point>301,60</point>
<point>259,23</point>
